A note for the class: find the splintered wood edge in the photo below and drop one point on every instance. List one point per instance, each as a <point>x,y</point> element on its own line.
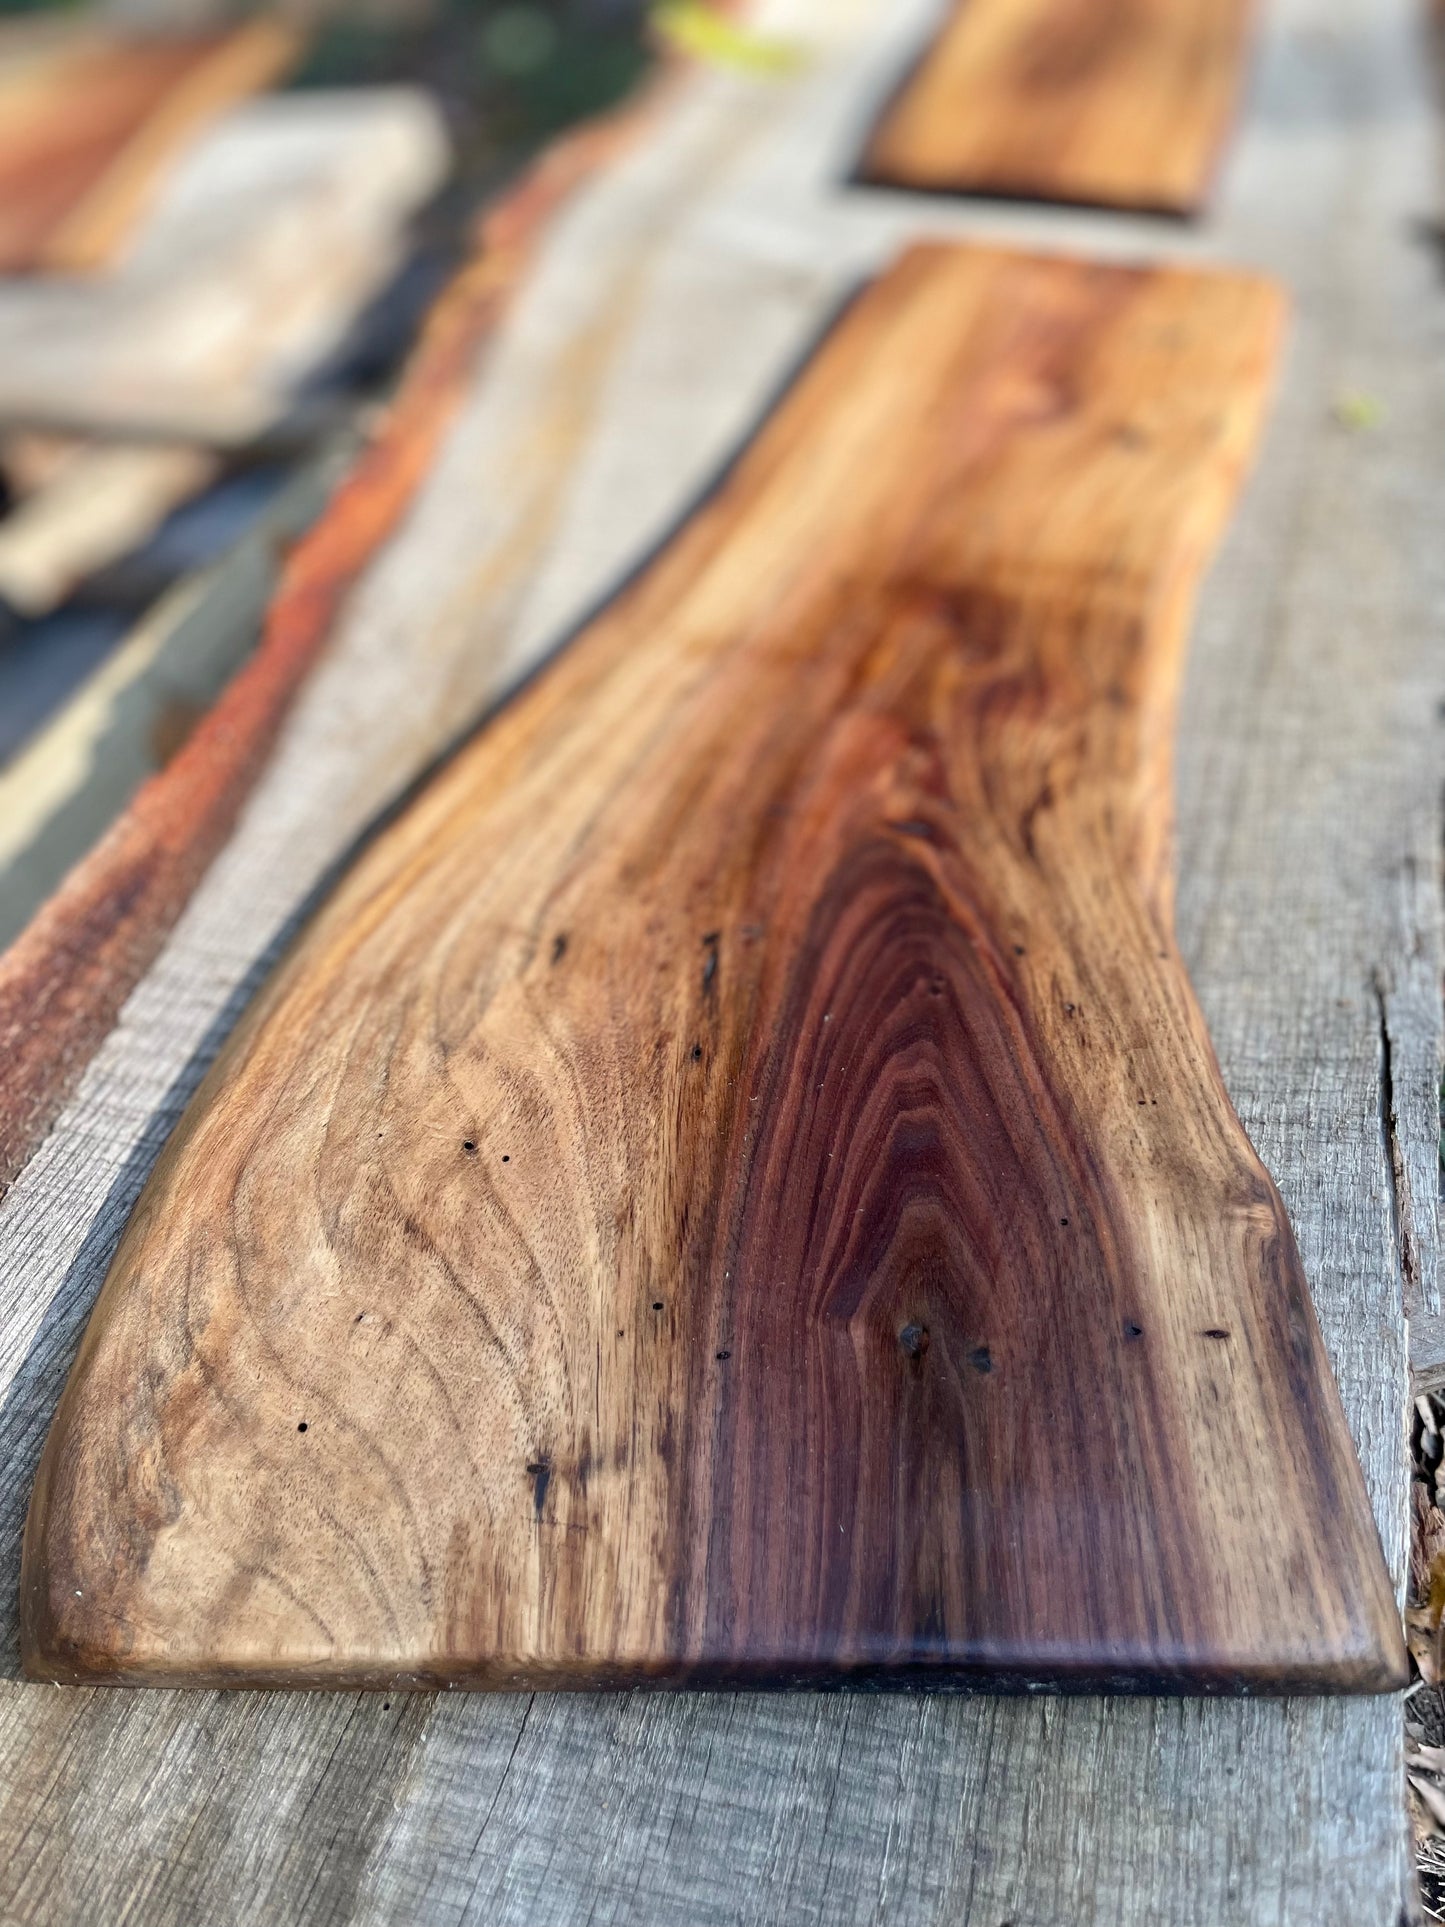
<point>65,977</point>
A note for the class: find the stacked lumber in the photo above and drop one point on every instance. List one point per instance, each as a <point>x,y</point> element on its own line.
<point>176,267</point>
<point>225,319</point>
<point>265,243</point>
<point>77,505</point>
<point>130,716</point>
<point>91,120</point>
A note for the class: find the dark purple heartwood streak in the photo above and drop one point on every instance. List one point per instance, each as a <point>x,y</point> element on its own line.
<point>931,1294</point>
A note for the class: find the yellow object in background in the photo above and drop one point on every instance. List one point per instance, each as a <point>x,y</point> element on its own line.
<point>696,29</point>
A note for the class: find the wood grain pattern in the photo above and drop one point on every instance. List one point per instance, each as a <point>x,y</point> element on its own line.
<point>66,976</point>
<point>90,121</point>
<point>1104,103</point>
<point>735,1185</point>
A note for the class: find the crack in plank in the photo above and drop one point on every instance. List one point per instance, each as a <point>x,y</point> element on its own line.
<point>1402,1217</point>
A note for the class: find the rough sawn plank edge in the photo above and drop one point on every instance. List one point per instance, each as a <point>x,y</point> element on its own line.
<point>1299,823</point>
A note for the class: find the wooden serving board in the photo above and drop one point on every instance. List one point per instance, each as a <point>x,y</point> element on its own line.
<point>1105,103</point>
<point>734,1185</point>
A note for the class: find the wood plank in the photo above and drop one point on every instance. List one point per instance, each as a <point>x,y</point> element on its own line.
<point>742,1093</point>
<point>129,718</point>
<point>90,121</point>
<point>264,243</point>
<point>654,326</point>
<point>1105,103</point>
<point>101,500</point>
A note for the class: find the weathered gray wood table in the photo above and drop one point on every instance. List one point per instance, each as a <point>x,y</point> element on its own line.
<point>668,301</point>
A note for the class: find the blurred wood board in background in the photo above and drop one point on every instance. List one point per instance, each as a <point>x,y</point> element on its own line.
<point>750,1083</point>
<point>260,251</point>
<point>134,712</point>
<point>83,506</point>
<point>1105,103</point>
<point>92,119</point>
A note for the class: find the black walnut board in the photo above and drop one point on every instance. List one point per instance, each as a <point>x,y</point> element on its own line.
<point>734,1186</point>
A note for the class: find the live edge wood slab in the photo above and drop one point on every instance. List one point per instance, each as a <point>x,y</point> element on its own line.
<point>734,1185</point>
<point>1104,103</point>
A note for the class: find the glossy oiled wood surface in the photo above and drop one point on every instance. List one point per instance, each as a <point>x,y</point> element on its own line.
<point>1109,103</point>
<point>734,1185</point>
